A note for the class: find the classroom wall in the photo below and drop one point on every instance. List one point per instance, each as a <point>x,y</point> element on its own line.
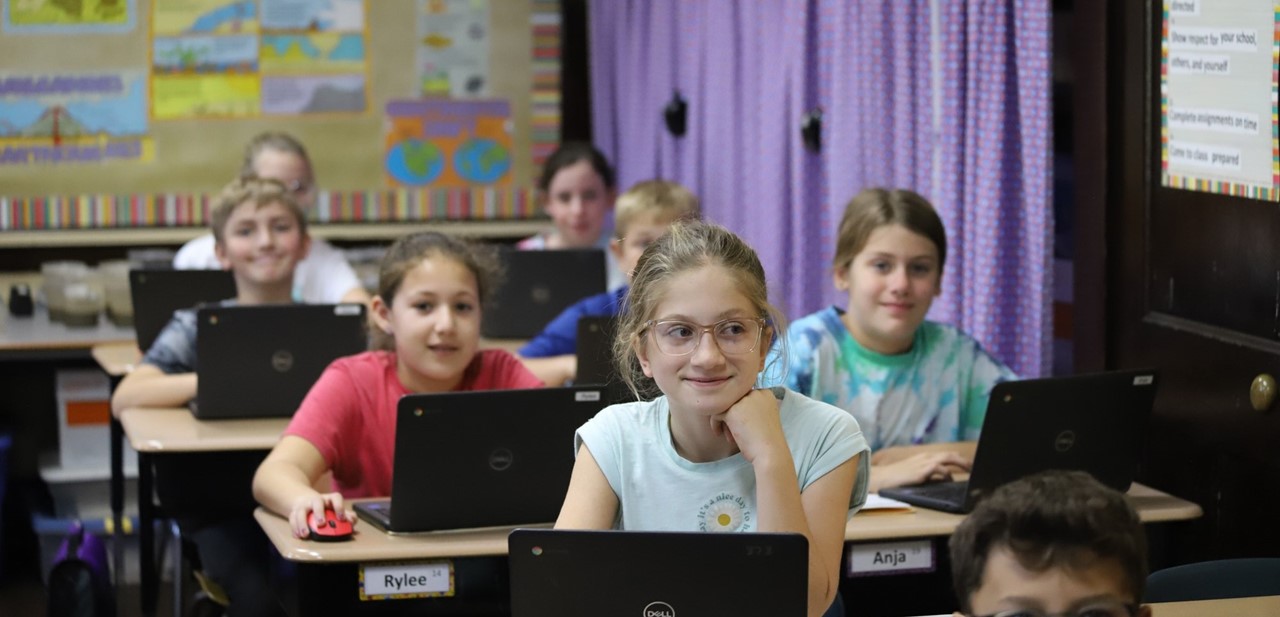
<point>201,155</point>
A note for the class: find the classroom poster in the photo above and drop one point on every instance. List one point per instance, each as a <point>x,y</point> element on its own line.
<point>1218,97</point>
<point>64,119</point>
<point>313,57</point>
<point>62,17</point>
<point>453,48</point>
<point>249,58</point>
<point>441,143</point>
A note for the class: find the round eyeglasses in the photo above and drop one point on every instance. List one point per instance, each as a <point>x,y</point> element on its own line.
<point>734,336</point>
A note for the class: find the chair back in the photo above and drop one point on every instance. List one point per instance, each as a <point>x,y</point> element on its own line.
<point>1213,580</point>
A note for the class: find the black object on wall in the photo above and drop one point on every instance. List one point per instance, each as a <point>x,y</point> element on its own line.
<point>811,130</point>
<point>676,115</point>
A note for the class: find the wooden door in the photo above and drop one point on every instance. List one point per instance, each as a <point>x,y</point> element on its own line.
<point>1186,282</point>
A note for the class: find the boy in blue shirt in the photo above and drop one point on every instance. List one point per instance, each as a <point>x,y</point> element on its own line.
<point>642,214</point>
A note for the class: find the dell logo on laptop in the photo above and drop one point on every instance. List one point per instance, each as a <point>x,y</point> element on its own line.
<point>1064,440</point>
<point>658,609</point>
<point>501,459</point>
<point>282,361</point>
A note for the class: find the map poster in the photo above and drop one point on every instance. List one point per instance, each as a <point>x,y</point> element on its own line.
<point>441,143</point>
<point>1218,97</point>
<point>62,119</point>
<point>453,48</point>
<point>64,17</point>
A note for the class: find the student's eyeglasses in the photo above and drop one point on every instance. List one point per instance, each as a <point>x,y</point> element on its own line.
<point>297,187</point>
<point>734,336</point>
<point>1101,609</point>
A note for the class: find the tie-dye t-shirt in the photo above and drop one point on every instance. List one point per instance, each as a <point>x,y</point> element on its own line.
<point>937,392</point>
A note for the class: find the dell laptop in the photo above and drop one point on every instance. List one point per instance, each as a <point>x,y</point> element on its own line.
<point>561,573</point>
<point>594,350</point>
<point>482,458</point>
<point>538,286</point>
<point>260,361</point>
<point>1094,423</point>
<point>156,294</point>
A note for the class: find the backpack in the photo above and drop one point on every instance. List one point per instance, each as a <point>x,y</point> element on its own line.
<point>80,581</point>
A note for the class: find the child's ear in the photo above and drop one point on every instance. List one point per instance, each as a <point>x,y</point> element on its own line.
<point>304,248</point>
<point>381,314</point>
<point>615,247</point>
<point>642,355</point>
<point>840,277</point>
<point>220,252</point>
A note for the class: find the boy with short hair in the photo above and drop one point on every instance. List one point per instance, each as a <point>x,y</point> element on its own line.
<point>260,234</point>
<point>642,214</point>
<point>1058,543</point>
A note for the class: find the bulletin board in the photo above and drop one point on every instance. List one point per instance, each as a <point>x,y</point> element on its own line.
<point>165,177</point>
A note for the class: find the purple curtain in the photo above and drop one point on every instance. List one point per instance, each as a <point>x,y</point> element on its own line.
<point>952,104</point>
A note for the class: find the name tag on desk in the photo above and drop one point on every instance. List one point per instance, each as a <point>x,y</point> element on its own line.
<point>400,581</point>
<point>902,557</point>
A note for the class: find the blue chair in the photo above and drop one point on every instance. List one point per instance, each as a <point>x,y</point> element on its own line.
<point>1211,580</point>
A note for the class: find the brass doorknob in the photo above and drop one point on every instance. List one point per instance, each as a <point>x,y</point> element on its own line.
<point>1262,392</point>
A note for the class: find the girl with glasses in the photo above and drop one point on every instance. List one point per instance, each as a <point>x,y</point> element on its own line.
<point>712,452</point>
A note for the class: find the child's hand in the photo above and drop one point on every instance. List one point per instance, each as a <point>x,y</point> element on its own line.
<point>304,506</point>
<point>752,424</point>
<point>915,469</point>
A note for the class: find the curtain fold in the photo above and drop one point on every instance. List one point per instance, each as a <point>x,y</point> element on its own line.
<point>949,99</point>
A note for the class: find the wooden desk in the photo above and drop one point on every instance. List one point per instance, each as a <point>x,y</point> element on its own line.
<point>158,432</point>
<point>116,358</point>
<point>334,567</point>
<point>1263,606</point>
<point>1152,505</point>
<point>508,344</point>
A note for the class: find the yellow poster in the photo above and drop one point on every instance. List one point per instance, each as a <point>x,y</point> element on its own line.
<point>60,17</point>
<point>173,17</point>
<point>209,95</point>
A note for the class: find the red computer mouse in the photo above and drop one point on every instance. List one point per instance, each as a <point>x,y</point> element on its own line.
<point>327,526</point>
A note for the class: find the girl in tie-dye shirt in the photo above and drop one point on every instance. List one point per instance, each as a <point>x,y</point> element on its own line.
<point>917,388</point>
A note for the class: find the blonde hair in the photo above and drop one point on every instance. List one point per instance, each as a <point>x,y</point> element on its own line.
<point>686,246</point>
<point>278,141</point>
<point>408,251</point>
<point>660,199</point>
<point>258,191</point>
<point>874,208</point>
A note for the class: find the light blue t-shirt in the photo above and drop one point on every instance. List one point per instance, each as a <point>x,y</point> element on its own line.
<point>936,392</point>
<point>658,490</point>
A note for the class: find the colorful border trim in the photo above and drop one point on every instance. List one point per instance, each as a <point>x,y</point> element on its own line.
<point>1251,191</point>
<point>545,122</point>
<point>188,210</point>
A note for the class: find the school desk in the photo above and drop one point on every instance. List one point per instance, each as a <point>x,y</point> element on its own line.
<point>1261,606</point>
<point>116,360</point>
<point>328,576</point>
<point>157,433</point>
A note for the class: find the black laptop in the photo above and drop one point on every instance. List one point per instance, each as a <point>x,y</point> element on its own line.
<point>1095,423</point>
<point>260,361</point>
<point>482,458</point>
<point>559,573</point>
<point>156,294</point>
<point>538,286</point>
<point>594,351</point>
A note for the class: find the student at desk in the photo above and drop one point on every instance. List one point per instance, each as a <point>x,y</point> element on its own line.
<point>324,276</point>
<point>427,313</point>
<point>713,453</point>
<point>260,234</point>
<point>918,388</point>
<point>577,190</point>
<point>1056,543</point>
<point>644,213</point>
